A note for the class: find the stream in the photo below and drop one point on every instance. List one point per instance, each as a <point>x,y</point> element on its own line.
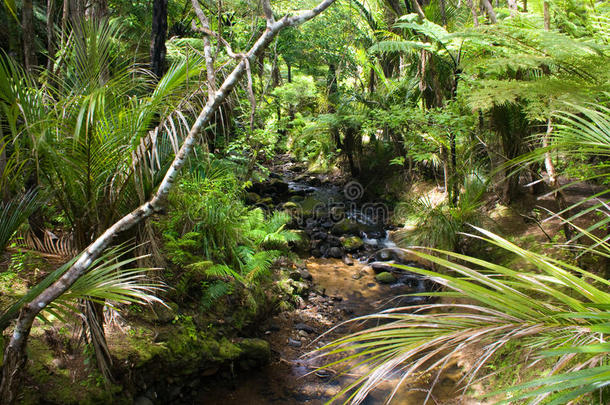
<point>342,285</point>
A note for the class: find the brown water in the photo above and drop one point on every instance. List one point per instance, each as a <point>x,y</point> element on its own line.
<point>348,291</point>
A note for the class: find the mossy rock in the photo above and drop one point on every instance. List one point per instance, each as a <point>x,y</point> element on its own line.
<point>385,278</point>
<point>350,227</point>
<point>352,243</point>
<point>299,287</point>
<point>160,314</point>
<point>252,198</point>
<point>267,201</point>
<point>312,205</point>
<point>228,350</point>
<point>256,349</point>
<point>290,206</point>
<point>57,387</point>
<point>302,245</point>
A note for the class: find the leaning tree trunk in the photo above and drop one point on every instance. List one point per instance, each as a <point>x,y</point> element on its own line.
<point>15,354</point>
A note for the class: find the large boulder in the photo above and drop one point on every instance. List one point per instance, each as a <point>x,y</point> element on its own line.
<point>311,206</point>
<point>348,226</point>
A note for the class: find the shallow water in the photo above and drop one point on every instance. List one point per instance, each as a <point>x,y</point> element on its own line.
<point>290,378</point>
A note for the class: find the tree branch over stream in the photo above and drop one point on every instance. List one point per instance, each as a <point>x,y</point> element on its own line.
<point>14,355</point>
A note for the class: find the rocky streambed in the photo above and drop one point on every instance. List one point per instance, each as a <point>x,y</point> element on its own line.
<point>338,292</point>
<point>349,272</point>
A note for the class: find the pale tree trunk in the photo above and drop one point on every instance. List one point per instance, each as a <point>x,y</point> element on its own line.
<point>14,354</point>
<point>560,197</point>
<point>547,16</point>
<point>418,9</point>
<point>444,158</point>
<point>490,11</point>
<point>512,6</point>
<point>50,36</point>
<point>98,8</point>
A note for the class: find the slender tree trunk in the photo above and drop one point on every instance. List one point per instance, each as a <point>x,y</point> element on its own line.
<point>418,9</point>
<point>547,16</point>
<point>99,9</point>
<point>490,11</point>
<point>64,20</point>
<point>50,36</point>
<point>159,30</point>
<point>276,78</point>
<point>77,9</point>
<point>444,158</point>
<point>4,190</point>
<point>525,6</point>
<point>473,10</point>
<point>512,6</point>
<point>15,354</point>
<point>455,186</point>
<point>443,9</point>
<point>553,180</point>
<point>27,25</point>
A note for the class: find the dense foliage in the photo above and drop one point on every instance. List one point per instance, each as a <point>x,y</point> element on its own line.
<point>486,102</point>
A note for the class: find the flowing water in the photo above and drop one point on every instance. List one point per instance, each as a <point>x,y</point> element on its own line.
<point>340,292</point>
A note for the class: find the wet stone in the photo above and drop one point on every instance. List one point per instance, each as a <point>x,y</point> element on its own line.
<point>305,274</point>
<point>304,327</point>
<point>294,343</point>
<point>335,252</point>
<point>385,278</point>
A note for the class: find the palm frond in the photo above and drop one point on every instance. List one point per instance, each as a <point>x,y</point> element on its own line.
<point>551,310</point>
<point>14,213</point>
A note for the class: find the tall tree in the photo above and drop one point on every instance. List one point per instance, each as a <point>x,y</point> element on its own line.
<point>159,31</point>
<point>27,25</point>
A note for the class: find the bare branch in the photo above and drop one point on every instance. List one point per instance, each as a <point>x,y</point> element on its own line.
<point>207,49</point>
<point>268,13</point>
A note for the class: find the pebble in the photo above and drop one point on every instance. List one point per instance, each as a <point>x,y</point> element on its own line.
<point>348,261</point>
<point>303,333</point>
<point>294,343</point>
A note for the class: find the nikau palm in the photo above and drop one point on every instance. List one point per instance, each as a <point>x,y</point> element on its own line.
<point>14,359</point>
